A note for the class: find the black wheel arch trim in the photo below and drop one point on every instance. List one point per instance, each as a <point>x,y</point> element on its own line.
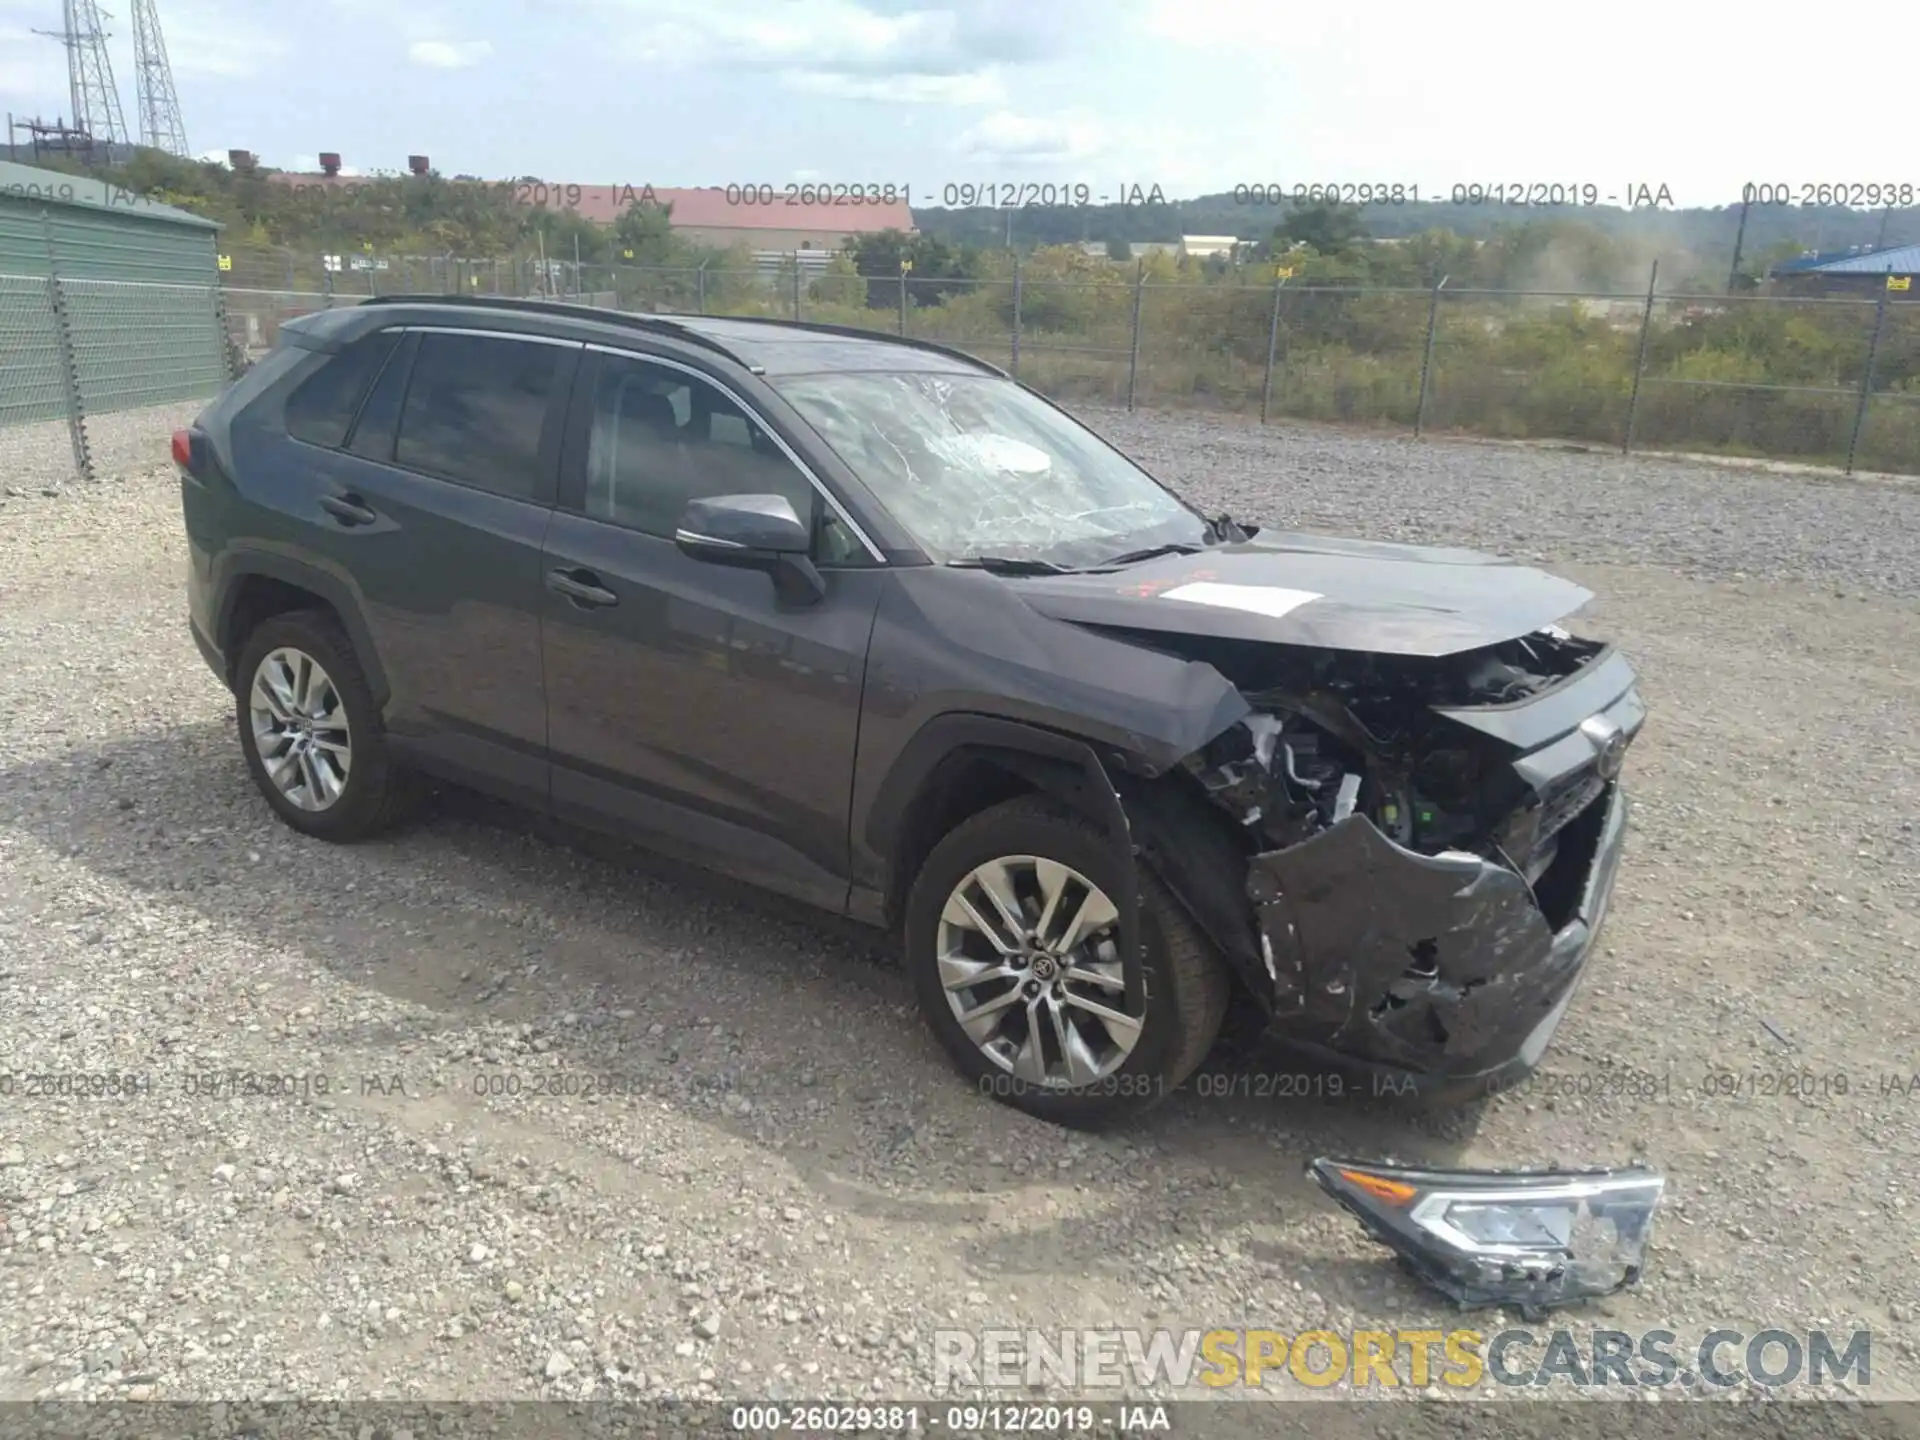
<point>1059,765</point>
<point>1181,837</point>
<point>265,565</point>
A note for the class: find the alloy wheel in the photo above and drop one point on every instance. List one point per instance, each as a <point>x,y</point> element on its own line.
<point>1029,959</point>
<point>300,729</point>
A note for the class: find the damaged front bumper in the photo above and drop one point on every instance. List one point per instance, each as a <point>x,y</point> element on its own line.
<point>1437,977</point>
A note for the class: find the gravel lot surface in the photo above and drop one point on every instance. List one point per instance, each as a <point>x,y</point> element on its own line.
<point>39,457</point>
<point>1698,520</point>
<point>780,1188</point>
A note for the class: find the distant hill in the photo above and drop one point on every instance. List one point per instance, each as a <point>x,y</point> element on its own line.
<point>1700,231</point>
<point>273,228</point>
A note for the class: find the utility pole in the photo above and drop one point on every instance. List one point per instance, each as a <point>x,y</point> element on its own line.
<point>1739,238</point>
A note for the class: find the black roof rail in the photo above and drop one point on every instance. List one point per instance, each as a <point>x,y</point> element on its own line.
<point>659,323</point>
<point>674,324</point>
<point>820,327</point>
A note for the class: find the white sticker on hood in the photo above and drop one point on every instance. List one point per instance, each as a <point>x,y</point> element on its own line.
<point>1269,600</point>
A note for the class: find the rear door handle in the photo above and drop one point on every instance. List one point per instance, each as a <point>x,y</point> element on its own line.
<point>348,509</point>
<point>583,587</point>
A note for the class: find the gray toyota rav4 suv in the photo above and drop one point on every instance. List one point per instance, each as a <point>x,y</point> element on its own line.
<point>864,621</point>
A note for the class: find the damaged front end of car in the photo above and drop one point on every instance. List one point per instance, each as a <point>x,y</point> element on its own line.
<point>1427,842</point>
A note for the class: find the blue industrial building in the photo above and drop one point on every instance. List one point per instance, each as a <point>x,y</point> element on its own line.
<point>1860,272</point>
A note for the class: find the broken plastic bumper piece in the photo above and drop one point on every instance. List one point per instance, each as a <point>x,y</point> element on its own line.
<point>1437,971</point>
<point>1529,1239</point>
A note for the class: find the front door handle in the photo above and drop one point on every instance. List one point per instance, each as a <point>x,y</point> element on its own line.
<point>348,509</point>
<point>582,587</point>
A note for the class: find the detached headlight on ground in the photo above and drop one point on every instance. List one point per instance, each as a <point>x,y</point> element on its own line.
<point>1530,1239</point>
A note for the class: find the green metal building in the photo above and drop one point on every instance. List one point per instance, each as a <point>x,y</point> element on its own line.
<point>108,300</point>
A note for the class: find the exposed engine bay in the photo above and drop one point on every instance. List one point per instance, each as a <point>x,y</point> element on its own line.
<point>1336,733</point>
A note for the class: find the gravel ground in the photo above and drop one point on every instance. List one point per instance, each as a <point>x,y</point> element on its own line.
<point>781,1190</point>
<point>1697,520</point>
<point>39,457</point>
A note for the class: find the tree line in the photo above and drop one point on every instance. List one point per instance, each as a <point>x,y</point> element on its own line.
<point>1504,363</point>
<point>1416,243</point>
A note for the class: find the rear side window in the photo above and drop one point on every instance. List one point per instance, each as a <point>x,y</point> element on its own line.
<point>380,412</point>
<point>475,407</point>
<point>321,408</point>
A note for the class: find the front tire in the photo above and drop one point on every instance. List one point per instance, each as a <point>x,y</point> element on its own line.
<point>311,733</point>
<point>1014,948</point>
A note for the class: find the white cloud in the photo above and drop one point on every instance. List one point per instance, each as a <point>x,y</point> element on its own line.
<point>984,88</point>
<point>834,35</point>
<point>218,37</point>
<point>1225,24</point>
<point>884,50</point>
<point>1005,137</point>
<point>449,54</point>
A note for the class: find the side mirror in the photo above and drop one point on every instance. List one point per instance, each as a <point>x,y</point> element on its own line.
<point>753,532</point>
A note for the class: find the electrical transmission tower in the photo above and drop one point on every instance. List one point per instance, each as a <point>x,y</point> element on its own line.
<point>160,123</point>
<point>96,100</point>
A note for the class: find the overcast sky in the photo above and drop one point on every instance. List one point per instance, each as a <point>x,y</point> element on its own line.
<point>1191,95</point>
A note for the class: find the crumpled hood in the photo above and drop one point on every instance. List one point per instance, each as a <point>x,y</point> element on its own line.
<point>1294,589</point>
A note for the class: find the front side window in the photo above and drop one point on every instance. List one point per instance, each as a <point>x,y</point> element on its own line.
<point>973,465</point>
<point>661,438</point>
<point>475,407</point>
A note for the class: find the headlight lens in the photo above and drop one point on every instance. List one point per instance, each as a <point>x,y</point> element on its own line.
<point>1510,1226</point>
<point>1487,1237</point>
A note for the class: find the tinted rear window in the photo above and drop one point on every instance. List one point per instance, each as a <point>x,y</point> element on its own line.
<point>475,406</point>
<point>321,408</point>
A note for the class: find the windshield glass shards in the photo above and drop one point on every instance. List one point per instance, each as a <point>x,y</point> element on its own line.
<point>973,465</point>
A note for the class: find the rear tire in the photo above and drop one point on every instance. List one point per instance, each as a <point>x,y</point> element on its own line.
<point>311,734</point>
<point>1083,1071</point>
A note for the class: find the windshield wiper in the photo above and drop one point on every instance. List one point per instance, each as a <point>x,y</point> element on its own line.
<point>1010,565</point>
<point>1152,552</point>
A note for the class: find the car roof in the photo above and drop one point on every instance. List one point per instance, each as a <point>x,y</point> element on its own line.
<point>770,347</point>
<point>786,348</point>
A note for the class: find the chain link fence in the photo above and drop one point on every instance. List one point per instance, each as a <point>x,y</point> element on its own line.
<point>38,436</point>
<point>136,345</point>
<point>95,374</point>
<point>1821,380</point>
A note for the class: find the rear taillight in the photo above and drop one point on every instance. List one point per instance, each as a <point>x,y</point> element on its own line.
<point>183,449</point>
